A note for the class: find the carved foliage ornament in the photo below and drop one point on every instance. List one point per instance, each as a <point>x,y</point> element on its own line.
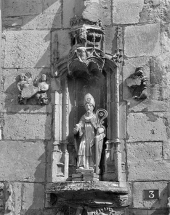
<point>66,210</point>
<point>29,89</point>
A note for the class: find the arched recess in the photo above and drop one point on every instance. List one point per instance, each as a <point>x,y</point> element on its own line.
<point>87,70</point>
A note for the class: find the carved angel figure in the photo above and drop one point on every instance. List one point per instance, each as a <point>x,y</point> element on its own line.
<point>42,89</point>
<point>91,133</point>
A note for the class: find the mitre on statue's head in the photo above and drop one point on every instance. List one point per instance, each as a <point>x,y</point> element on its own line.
<point>88,99</point>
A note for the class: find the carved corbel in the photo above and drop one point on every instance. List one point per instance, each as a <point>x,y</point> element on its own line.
<point>33,89</point>
<point>137,83</point>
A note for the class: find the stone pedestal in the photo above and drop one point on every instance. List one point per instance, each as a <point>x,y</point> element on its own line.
<point>85,175</point>
<point>90,197</point>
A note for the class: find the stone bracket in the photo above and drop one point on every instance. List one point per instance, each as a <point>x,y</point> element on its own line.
<point>93,194</point>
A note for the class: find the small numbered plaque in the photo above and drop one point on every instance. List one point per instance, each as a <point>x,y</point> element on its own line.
<point>151,194</point>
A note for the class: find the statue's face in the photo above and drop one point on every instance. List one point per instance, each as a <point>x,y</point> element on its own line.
<point>22,77</point>
<point>89,108</point>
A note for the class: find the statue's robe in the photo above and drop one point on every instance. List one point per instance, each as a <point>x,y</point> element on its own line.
<point>87,128</point>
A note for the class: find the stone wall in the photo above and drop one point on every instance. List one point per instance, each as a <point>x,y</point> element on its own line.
<point>35,35</point>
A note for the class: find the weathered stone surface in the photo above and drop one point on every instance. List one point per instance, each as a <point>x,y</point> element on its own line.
<point>62,38</point>
<point>21,7</point>
<point>157,85</point>
<point>87,186</point>
<point>148,212</point>
<point>27,49</point>
<point>97,10</point>
<point>42,21</point>
<point>17,197</point>
<point>106,11</point>
<point>122,126</point>
<point>51,6</point>
<point>138,211</point>
<point>91,10</point>
<point>145,151</point>
<point>27,126</point>
<point>12,22</point>
<point>33,196</point>
<point>155,11</point>
<point>158,212</point>
<point>68,12</point>
<point>165,38</point>
<point>110,40</point>
<point>166,150</point>
<point>145,162</point>
<point>142,40</point>
<point>139,202</point>
<point>129,68</point>
<point>147,127</point>
<point>126,12</point>
<point>9,103</point>
<point>22,161</point>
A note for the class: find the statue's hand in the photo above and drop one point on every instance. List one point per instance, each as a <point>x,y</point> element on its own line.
<point>100,130</point>
<point>75,130</point>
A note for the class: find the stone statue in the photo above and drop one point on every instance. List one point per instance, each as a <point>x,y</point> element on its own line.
<point>91,133</point>
<point>28,89</point>
<point>42,90</point>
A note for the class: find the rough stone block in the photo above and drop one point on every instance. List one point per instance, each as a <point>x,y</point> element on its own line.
<point>158,212</point>
<point>68,12</point>
<point>106,11</point>
<point>155,11</point>
<point>142,40</point>
<point>110,39</point>
<point>22,161</point>
<point>146,127</point>
<point>126,12</point>
<point>139,202</point>
<point>51,6</point>
<point>9,104</point>
<point>145,162</point>
<point>129,68</point>
<point>95,10</point>
<point>33,196</point>
<point>17,197</point>
<point>64,45</point>
<point>138,211</point>
<point>21,7</point>
<point>165,38</point>
<point>122,114</point>
<point>27,49</point>
<point>27,126</point>
<point>157,72</point>
<point>12,22</point>
<point>42,21</point>
<point>166,150</point>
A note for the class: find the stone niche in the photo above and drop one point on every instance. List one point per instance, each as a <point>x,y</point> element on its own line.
<point>79,187</point>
